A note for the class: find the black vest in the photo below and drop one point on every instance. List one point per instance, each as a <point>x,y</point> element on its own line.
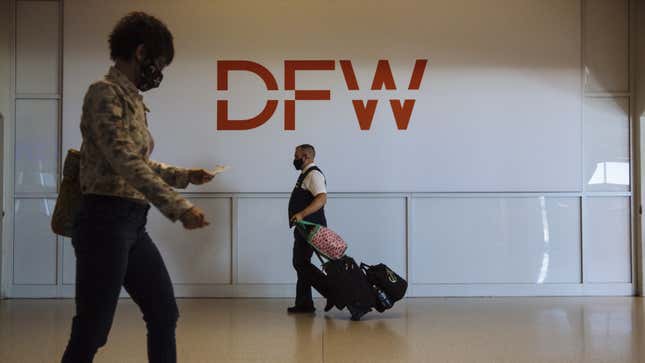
<point>301,198</point>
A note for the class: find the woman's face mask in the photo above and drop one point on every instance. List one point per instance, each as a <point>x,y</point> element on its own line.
<point>150,76</point>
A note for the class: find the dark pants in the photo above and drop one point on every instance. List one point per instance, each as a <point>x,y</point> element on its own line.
<point>113,250</point>
<point>308,275</point>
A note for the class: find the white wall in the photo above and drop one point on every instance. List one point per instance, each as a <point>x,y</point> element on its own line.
<point>640,118</point>
<point>5,33</point>
<point>489,97</point>
<point>512,179</point>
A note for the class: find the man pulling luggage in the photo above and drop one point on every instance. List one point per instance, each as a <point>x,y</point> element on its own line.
<point>307,202</point>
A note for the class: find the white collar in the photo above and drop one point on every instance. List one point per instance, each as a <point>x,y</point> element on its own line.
<point>308,167</point>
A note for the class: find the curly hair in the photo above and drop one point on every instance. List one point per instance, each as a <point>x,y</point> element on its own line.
<point>138,28</point>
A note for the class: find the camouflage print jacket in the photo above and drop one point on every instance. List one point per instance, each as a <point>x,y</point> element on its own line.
<point>117,146</point>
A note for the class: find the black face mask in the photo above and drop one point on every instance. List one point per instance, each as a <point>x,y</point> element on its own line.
<point>297,163</point>
<point>150,76</point>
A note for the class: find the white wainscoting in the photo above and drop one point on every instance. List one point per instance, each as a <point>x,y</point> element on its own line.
<point>197,257</point>
<point>495,240</point>
<point>607,240</point>
<point>446,244</point>
<point>375,228</point>
<point>36,151</point>
<point>35,254</point>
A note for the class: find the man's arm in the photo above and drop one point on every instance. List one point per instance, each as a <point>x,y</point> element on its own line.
<point>319,201</point>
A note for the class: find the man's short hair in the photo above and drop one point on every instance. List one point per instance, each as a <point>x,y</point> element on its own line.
<point>138,28</point>
<point>308,149</point>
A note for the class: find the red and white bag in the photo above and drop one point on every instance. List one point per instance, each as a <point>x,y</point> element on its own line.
<point>323,239</point>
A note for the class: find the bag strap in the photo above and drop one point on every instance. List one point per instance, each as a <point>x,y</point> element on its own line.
<point>307,223</point>
<point>307,233</point>
<point>313,168</point>
<point>304,175</point>
<point>319,256</point>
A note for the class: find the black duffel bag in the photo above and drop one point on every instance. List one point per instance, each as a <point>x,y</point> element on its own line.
<point>387,280</point>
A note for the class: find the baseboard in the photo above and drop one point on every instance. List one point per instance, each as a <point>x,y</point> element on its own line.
<point>414,290</point>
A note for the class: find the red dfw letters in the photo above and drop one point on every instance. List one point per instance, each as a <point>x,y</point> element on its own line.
<point>383,77</point>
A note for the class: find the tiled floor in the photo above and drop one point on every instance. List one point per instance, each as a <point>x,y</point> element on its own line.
<point>513,330</point>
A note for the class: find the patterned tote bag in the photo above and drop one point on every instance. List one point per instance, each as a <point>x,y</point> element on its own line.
<point>323,239</point>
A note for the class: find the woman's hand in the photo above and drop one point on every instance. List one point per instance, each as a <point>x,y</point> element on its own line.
<point>200,176</point>
<point>203,176</point>
<point>194,218</point>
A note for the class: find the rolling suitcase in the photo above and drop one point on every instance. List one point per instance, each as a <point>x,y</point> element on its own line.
<point>348,286</point>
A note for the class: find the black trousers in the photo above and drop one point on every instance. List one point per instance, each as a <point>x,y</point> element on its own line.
<point>308,274</point>
<point>113,250</point>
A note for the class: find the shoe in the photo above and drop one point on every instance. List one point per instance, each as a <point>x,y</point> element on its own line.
<point>301,310</point>
<point>329,305</point>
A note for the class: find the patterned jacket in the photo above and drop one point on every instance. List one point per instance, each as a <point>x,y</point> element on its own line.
<point>117,145</point>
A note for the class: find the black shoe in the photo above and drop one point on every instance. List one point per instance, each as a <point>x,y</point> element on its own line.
<point>329,306</point>
<point>301,310</point>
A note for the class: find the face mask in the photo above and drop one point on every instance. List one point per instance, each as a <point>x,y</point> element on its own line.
<point>297,163</point>
<point>150,76</point>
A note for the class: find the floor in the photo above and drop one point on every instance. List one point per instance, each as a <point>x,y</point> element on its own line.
<point>513,330</point>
